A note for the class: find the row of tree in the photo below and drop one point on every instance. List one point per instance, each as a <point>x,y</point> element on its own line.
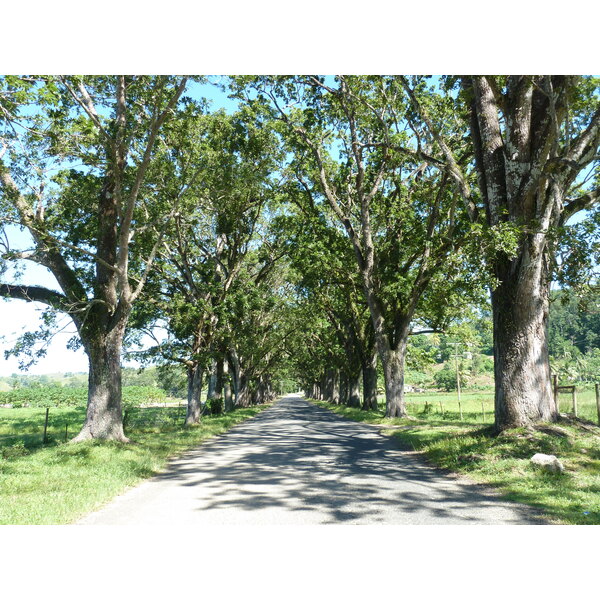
<point>445,188</point>
<point>308,235</point>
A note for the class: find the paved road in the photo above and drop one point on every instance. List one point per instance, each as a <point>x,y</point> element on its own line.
<point>298,464</point>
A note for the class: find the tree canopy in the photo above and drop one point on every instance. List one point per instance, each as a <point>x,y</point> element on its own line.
<point>318,233</point>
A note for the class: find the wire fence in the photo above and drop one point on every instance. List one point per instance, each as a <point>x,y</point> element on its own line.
<point>34,427</point>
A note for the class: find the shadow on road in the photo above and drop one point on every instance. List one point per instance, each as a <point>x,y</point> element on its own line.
<point>299,457</point>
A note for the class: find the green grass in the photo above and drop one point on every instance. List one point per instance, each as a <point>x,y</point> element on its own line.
<point>479,406</point>
<point>470,447</point>
<point>59,483</point>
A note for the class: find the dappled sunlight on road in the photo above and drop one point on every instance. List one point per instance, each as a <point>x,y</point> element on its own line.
<point>297,463</point>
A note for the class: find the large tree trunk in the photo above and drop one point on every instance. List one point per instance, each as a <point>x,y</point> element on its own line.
<point>243,395</point>
<point>354,389</point>
<point>525,171</point>
<point>392,356</point>
<point>194,389</point>
<point>104,417</point>
<point>393,372</point>
<point>370,383</point>
<point>520,305</point>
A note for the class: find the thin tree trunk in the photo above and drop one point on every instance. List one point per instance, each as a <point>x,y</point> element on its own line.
<point>243,396</point>
<point>227,391</point>
<point>212,381</point>
<point>194,389</point>
<point>370,383</point>
<point>343,388</point>
<point>324,387</point>
<point>335,386</point>
<point>258,393</point>
<point>216,403</point>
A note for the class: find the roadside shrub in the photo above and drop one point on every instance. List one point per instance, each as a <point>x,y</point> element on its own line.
<point>215,406</point>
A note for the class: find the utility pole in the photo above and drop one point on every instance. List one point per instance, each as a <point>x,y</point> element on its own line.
<point>457,376</point>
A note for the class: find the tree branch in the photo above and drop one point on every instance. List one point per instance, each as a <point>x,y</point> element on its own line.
<point>34,293</point>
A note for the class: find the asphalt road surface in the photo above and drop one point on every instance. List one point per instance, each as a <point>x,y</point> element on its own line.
<point>296,463</point>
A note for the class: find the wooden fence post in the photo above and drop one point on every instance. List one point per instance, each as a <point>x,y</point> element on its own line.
<point>574,401</point>
<point>555,386</point>
<point>598,401</point>
<point>46,427</point>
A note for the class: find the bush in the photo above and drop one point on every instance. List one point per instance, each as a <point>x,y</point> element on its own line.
<point>142,394</point>
<point>51,396</point>
<point>44,397</point>
<point>482,364</point>
<point>446,378</point>
<point>215,405</point>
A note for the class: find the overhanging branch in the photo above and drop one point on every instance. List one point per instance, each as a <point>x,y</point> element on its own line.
<point>34,293</point>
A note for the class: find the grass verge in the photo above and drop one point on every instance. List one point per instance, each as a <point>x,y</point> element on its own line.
<point>57,484</point>
<point>502,461</point>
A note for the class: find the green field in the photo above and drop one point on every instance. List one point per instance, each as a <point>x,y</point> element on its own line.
<point>479,407</point>
<point>58,483</point>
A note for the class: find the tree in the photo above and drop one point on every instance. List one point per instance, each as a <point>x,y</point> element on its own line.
<point>78,175</point>
<point>224,163</point>
<point>323,262</point>
<point>535,143</point>
<point>355,155</point>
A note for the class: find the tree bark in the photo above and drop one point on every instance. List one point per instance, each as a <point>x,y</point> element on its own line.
<point>104,416</point>
<point>194,389</point>
<point>227,391</point>
<point>354,389</point>
<point>370,382</point>
<point>243,392</point>
<point>523,382</point>
<point>393,371</point>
